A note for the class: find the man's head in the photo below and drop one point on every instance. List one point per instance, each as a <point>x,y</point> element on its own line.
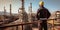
<point>41,3</point>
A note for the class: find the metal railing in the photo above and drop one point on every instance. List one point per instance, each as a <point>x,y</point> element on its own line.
<point>22,24</point>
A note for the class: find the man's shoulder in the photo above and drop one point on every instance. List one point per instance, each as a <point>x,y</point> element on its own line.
<point>42,9</point>
<point>45,8</point>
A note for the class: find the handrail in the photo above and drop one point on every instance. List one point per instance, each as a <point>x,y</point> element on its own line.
<point>22,23</point>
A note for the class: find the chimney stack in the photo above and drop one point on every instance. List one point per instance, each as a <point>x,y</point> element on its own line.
<point>4,11</point>
<point>30,8</point>
<point>10,10</point>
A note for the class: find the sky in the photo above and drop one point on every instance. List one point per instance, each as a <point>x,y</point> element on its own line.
<point>51,5</point>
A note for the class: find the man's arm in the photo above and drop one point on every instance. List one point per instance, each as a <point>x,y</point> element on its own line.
<point>37,15</point>
<point>49,14</point>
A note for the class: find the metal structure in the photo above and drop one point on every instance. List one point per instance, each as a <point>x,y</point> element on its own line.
<point>23,17</point>
<point>4,11</point>
<point>21,10</point>
<point>58,14</point>
<point>10,10</point>
<point>30,12</point>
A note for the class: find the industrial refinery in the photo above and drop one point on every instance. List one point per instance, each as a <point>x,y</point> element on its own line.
<point>23,20</point>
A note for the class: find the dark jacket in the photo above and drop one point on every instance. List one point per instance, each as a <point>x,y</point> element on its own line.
<point>43,13</point>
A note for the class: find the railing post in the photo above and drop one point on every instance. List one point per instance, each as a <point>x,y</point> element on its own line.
<point>39,25</point>
<point>16,27</point>
<point>22,27</point>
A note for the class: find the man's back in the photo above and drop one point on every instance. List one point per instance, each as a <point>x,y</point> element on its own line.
<point>43,13</point>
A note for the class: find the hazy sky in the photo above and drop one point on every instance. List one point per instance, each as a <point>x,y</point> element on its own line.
<point>52,5</point>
